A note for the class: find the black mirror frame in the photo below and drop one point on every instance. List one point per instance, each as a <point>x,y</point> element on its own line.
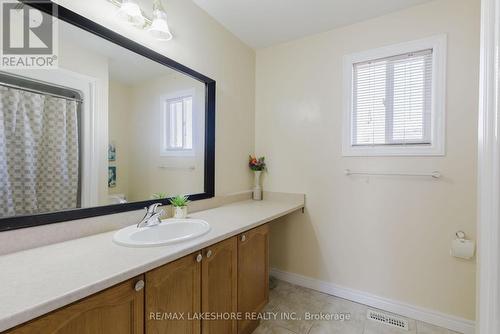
<point>64,14</point>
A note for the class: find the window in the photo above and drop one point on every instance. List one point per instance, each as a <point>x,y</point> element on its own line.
<point>395,100</point>
<point>178,125</point>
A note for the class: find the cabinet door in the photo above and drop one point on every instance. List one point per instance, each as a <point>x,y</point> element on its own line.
<point>117,310</point>
<point>174,290</point>
<point>253,275</point>
<point>219,290</point>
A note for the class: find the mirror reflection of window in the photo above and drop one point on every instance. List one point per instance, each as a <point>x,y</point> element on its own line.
<point>178,124</point>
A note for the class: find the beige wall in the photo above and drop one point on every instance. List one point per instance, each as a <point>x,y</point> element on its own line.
<point>120,99</point>
<point>146,176</point>
<point>385,236</point>
<point>204,45</point>
<point>79,60</point>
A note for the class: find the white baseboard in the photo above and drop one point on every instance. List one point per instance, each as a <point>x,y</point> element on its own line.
<point>414,312</point>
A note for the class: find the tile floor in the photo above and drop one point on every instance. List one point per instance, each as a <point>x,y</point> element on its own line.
<point>296,300</point>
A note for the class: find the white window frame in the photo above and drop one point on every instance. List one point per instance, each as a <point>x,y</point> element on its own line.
<point>165,113</point>
<point>437,147</point>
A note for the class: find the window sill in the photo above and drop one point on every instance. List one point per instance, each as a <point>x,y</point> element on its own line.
<point>180,154</point>
<point>392,151</point>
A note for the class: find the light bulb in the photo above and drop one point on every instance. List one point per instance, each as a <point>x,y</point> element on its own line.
<point>159,26</point>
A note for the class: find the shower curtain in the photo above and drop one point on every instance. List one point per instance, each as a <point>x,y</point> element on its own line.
<point>38,153</point>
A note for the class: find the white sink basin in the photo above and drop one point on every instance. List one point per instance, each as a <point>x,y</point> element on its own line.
<point>168,232</point>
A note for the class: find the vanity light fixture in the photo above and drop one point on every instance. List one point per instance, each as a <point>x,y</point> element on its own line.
<point>131,12</point>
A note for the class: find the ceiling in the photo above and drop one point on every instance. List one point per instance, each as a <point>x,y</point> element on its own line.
<point>125,66</point>
<point>262,23</point>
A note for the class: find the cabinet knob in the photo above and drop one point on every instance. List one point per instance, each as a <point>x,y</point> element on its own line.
<point>209,253</point>
<point>199,257</point>
<point>139,285</point>
<point>243,237</point>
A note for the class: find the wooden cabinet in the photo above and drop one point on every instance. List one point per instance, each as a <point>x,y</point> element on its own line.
<point>117,310</point>
<point>202,284</point>
<point>174,291</point>
<point>253,275</point>
<point>219,286</point>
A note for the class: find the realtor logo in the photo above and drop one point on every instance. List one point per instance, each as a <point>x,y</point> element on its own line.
<point>29,36</point>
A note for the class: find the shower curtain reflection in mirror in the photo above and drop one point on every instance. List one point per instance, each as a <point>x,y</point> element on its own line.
<point>39,153</point>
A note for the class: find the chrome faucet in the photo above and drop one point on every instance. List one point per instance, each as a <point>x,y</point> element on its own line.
<point>152,217</point>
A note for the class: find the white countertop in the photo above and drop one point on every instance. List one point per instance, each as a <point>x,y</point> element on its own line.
<point>37,281</point>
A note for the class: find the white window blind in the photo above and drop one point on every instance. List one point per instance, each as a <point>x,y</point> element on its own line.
<point>178,124</point>
<point>392,100</point>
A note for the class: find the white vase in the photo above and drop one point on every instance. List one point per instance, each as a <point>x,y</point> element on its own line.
<point>180,212</point>
<point>257,189</point>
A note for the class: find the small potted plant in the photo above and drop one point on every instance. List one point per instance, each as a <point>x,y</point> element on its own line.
<point>159,195</point>
<point>179,203</point>
<point>257,165</point>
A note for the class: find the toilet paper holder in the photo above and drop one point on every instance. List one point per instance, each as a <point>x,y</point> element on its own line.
<point>462,247</point>
<point>460,235</point>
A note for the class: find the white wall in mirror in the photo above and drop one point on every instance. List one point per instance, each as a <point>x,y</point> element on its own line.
<point>137,109</point>
<point>206,46</point>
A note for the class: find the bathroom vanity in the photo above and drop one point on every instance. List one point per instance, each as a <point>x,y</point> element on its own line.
<point>108,288</point>
<point>227,277</point>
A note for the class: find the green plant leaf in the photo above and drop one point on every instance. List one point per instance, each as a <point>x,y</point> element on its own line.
<point>179,200</point>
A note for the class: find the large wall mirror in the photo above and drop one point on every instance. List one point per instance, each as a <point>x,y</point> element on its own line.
<point>113,128</point>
